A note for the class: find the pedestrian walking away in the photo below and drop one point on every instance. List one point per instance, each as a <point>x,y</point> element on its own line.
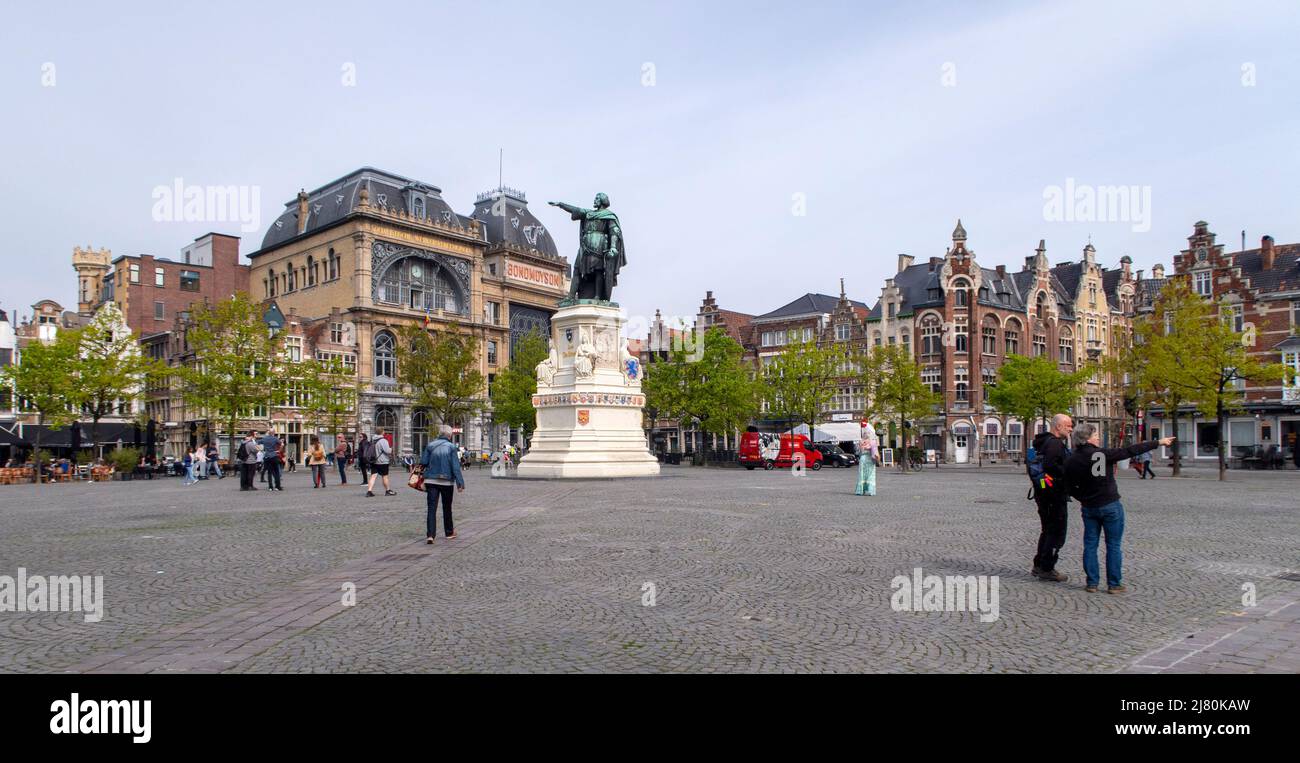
<point>378,453</point>
<point>1143,461</point>
<point>440,464</point>
<point>271,449</point>
<point>1045,465</point>
<point>1090,472</point>
<point>868,450</point>
<point>342,454</point>
<point>189,469</point>
<point>359,452</point>
<point>316,460</point>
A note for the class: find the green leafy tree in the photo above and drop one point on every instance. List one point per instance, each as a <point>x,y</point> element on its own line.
<point>1034,388</point>
<point>441,372</point>
<point>111,370</point>
<point>1162,362</point>
<point>801,381</point>
<point>512,391</point>
<point>234,354</point>
<point>709,385</point>
<point>1224,364</point>
<point>895,392</point>
<point>330,392</point>
<point>45,381</point>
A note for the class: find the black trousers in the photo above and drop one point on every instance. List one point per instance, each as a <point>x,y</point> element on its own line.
<point>246,476</point>
<point>365,471</point>
<point>342,464</point>
<point>272,473</point>
<point>1054,517</point>
<point>431,496</point>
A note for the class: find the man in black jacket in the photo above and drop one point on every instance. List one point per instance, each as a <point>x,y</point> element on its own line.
<point>1052,499</point>
<point>1090,473</point>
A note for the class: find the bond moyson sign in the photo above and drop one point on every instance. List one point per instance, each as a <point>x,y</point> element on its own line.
<point>518,271</point>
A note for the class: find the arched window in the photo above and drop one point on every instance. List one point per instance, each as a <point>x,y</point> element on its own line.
<point>311,270</point>
<point>420,284</point>
<point>1011,337</point>
<point>270,276</point>
<point>1038,309</point>
<point>419,212</point>
<point>292,275</point>
<point>385,356</point>
<point>930,335</point>
<point>989,336</point>
<point>420,423</point>
<point>332,266</point>
<point>960,297</point>
<point>1067,346</point>
<point>384,417</point>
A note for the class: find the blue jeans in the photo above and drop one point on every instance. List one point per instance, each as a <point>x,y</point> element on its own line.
<point>189,474</point>
<point>1110,519</point>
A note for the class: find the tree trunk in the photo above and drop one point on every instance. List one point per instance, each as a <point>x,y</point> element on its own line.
<point>94,431</point>
<point>903,461</point>
<point>234,438</point>
<point>40,424</point>
<point>1220,417</point>
<point>1178,445</point>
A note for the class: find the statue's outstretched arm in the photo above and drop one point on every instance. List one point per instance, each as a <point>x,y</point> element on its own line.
<point>576,212</point>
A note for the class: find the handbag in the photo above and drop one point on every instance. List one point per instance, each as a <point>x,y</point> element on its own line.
<point>416,480</point>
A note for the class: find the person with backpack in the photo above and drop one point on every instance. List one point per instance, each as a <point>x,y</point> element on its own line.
<point>1045,464</point>
<point>360,453</point>
<point>440,465</point>
<point>246,457</point>
<point>378,453</point>
<point>1090,472</point>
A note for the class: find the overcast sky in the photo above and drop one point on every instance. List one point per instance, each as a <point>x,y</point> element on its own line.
<point>711,126</point>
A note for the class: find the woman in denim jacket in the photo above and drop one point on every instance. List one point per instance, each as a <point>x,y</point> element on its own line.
<point>441,465</point>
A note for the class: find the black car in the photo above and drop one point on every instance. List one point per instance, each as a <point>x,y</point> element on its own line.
<point>833,456</point>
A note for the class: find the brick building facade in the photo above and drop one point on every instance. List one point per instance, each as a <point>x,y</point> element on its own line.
<point>1260,291</point>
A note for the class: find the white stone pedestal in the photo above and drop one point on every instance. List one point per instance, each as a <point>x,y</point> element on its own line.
<point>588,402</point>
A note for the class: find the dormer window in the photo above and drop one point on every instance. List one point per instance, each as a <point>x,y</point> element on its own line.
<point>419,207</point>
<point>893,308</point>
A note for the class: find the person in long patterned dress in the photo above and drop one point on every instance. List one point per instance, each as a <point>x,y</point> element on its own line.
<point>867,449</point>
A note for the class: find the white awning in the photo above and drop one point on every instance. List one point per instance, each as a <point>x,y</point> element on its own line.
<point>837,431</point>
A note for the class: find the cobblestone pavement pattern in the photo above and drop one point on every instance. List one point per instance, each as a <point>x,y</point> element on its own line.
<point>751,571</point>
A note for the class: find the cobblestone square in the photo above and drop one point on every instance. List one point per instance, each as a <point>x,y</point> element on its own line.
<point>749,571</point>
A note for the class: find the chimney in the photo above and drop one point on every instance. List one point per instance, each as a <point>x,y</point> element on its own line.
<point>935,262</point>
<point>1139,277</point>
<point>1266,253</point>
<point>1029,262</point>
<point>1158,272</point>
<point>905,261</point>
<point>302,210</point>
<point>1002,271</point>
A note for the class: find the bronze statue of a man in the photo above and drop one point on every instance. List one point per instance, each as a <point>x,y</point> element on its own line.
<point>600,250</point>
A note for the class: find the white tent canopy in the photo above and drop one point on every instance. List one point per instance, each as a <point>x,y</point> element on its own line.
<point>837,431</point>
